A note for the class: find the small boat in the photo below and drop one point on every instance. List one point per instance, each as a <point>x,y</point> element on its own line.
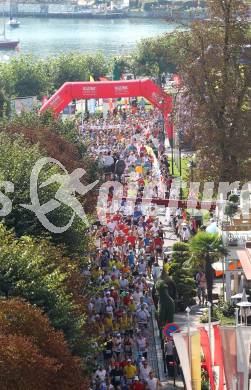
<point>6,43</point>
<point>14,23</point>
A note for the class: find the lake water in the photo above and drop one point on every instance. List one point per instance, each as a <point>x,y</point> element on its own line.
<point>44,37</point>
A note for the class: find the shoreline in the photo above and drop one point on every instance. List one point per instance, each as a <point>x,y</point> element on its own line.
<point>173,19</point>
<point>78,12</point>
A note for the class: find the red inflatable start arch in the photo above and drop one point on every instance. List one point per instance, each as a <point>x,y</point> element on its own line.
<point>113,89</point>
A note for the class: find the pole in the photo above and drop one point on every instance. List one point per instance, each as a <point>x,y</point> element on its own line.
<point>236,316</point>
<point>209,304</point>
<point>172,160</point>
<point>180,162</point>
<point>82,117</point>
<point>189,337</point>
<point>223,278</point>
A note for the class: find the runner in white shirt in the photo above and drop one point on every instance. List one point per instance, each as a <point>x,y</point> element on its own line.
<point>142,267</point>
<point>123,283</point>
<point>111,226</point>
<point>138,307</point>
<point>152,382</point>
<point>136,295</point>
<point>144,370</point>
<point>100,374</point>
<point>142,345</point>
<point>109,308</point>
<point>143,316</point>
<point>156,271</point>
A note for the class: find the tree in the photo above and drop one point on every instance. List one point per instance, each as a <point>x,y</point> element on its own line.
<point>76,67</point>
<point>42,273</point>
<point>214,63</point>
<point>153,56</point>
<point>67,67</point>
<point>4,103</point>
<point>206,249</point>
<point>231,207</point>
<point>17,158</point>
<point>32,354</point>
<point>166,307</point>
<point>26,76</point>
<point>182,275</point>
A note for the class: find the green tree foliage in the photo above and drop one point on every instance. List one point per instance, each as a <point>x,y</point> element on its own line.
<point>166,307</point>
<point>76,67</point>
<point>214,63</point>
<point>231,207</point>
<point>206,249</point>
<point>17,158</point>
<point>182,274</point>
<point>4,103</point>
<point>43,275</point>
<point>96,65</point>
<point>67,67</point>
<point>59,138</point>
<point>29,76</point>
<point>25,76</point>
<point>153,56</point>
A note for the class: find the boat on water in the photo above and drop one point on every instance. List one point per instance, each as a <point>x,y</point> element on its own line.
<point>7,44</point>
<point>14,23</point>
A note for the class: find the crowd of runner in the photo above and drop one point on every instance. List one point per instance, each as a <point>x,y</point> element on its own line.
<point>130,148</point>
<point>129,246</point>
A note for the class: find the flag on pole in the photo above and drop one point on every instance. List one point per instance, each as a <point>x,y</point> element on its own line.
<point>243,338</point>
<point>229,349</point>
<point>218,356</point>
<point>196,360</point>
<point>207,354</point>
<point>182,350</point>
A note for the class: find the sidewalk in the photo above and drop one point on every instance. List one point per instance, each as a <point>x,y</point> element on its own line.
<point>181,320</point>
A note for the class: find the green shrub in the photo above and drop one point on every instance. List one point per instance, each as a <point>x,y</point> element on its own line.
<point>205,383</point>
<point>216,315</point>
<point>231,209</point>
<point>226,308</point>
<point>233,198</point>
<point>182,275</point>
<point>223,310</point>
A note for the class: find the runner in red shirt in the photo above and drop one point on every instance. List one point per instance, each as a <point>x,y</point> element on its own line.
<point>137,384</point>
<point>119,240</point>
<point>132,240</point>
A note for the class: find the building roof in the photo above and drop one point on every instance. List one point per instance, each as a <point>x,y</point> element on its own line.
<point>244,256</point>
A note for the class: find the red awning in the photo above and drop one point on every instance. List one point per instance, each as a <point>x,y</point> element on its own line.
<point>244,256</point>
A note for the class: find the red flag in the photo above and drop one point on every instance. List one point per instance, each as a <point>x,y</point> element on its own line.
<point>204,339</point>
<point>218,357</point>
<point>229,351</point>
